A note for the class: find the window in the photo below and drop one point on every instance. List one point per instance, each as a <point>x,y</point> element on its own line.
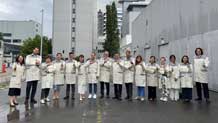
<point>7,34</point>
<point>74,1</point>
<point>73,29</point>
<point>73,39</point>
<point>16,41</point>
<point>72,49</point>
<point>7,40</point>
<point>74,11</point>
<point>73,20</point>
<point>37,30</point>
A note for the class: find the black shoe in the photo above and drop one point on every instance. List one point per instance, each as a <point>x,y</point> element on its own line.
<point>15,103</point>
<point>73,98</point>
<point>33,101</point>
<point>130,99</point>
<point>12,105</point>
<point>66,98</point>
<point>108,97</point>
<point>126,98</point>
<point>101,97</point>
<point>208,101</point>
<point>119,99</point>
<point>198,99</point>
<point>114,98</point>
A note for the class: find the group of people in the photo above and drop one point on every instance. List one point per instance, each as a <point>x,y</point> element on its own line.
<point>175,80</point>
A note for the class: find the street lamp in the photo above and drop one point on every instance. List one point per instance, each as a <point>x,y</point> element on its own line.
<point>42,11</point>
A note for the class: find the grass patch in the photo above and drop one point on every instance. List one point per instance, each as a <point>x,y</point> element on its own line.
<point>4,86</point>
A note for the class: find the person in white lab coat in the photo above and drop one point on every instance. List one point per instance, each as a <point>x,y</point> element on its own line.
<point>129,65</point>
<point>32,63</point>
<point>140,78</point>
<point>174,80</point>
<point>163,79</point>
<point>60,66</point>
<point>186,69</point>
<point>152,78</point>
<point>47,79</point>
<point>82,78</point>
<point>17,76</point>
<point>105,70</point>
<point>70,76</point>
<point>201,64</point>
<point>93,70</point>
<point>117,76</point>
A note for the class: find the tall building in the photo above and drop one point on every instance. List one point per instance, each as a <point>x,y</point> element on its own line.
<point>74,26</point>
<point>15,32</point>
<point>101,23</point>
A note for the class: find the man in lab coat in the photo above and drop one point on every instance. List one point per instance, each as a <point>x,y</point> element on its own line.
<point>33,62</point>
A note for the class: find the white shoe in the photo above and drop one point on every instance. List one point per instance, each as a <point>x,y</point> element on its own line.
<point>42,101</point>
<point>95,96</point>
<point>142,99</point>
<point>47,100</point>
<point>161,98</point>
<point>80,98</point>
<point>165,99</point>
<point>137,98</point>
<point>90,96</point>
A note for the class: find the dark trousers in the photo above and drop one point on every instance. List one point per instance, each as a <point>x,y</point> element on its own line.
<point>187,93</point>
<point>152,92</point>
<point>72,86</point>
<point>91,86</point>
<point>107,88</point>
<point>31,86</point>
<point>117,90</point>
<point>205,90</point>
<point>129,87</point>
<point>45,93</point>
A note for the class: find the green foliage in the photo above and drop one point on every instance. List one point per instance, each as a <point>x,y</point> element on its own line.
<point>112,42</point>
<point>30,43</point>
<point>1,36</point>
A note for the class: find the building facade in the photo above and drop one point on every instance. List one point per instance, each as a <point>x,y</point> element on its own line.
<point>166,28</point>
<point>74,26</point>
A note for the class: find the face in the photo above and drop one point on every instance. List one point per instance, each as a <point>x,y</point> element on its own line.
<point>106,54</point>
<point>116,56</point>
<point>198,52</point>
<point>185,60</point>
<point>58,57</point>
<point>173,60</point>
<point>138,59</point>
<point>128,53</point>
<point>36,51</point>
<point>152,60</point>
<point>20,59</point>
<point>48,60</point>
<point>162,61</point>
<point>71,56</point>
<point>92,56</point>
<point>81,59</point>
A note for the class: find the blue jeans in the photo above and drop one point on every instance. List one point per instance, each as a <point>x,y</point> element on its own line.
<point>91,88</point>
<point>141,91</point>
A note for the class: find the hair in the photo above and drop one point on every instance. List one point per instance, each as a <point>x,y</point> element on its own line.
<point>172,56</point>
<point>17,60</point>
<point>163,58</point>
<point>154,58</point>
<point>184,57</point>
<point>59,54</point>
<point>139,56</point>
<point>202,52</point>
<point>81,56</point>
<point>71,53</point>
<point>48,57</point>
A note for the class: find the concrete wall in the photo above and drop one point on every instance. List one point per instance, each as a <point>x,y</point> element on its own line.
<point>183,25</point>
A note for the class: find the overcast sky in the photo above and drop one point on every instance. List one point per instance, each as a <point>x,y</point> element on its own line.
<point>30,10</point>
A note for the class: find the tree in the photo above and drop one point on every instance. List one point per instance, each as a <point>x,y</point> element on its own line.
<point>112,42</point>
<point>30,43</point>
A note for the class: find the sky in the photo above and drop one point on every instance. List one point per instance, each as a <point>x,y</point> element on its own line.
<point>30,10</point>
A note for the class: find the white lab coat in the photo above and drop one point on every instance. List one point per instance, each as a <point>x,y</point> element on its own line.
<point>129,70</point>
<point>70,72</point>
<point>93,71</point>
<point>47,75</point>
<point>201,69</point>
<point>59,72</point>
<point>105,70</point>
<point>82,73</point>
<point>17,75</point>
<point>163,74</point>
<point>117,72</point>
<point>186,75</point>
<point>152,74</point>
<point>140,75</point>
<point>32,70</point>
<point>174,76</point>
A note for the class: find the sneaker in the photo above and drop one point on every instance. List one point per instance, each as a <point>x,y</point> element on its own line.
<point>80,98</point>
<point>66,98</point>
<point>94,96</point>
<point>47,100</point>
<point>142,99</point>
<point>165,99</point>
<point>161,98</point>
<point>90,96</point>
<point>33,101</point>
<point>42,101</point>
<point>137,98</point>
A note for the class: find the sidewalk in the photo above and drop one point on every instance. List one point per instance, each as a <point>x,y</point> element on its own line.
<point>5,77</point>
